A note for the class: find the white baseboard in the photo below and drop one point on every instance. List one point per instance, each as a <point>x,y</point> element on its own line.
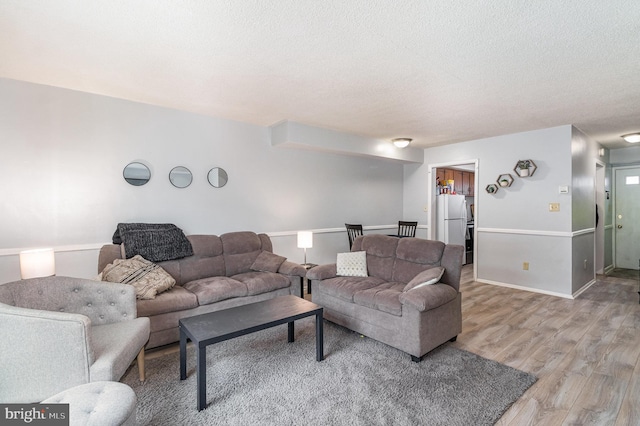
<point>519,287</point>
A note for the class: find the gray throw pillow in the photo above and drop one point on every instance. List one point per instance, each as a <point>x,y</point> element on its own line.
<point>268,262</point>
<point>426,277</point>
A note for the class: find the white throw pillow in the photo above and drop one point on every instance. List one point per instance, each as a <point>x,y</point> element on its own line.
<point>352,264</point>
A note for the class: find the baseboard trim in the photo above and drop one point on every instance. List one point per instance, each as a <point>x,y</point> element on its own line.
<point>519,287</point>
<point>584,288</point>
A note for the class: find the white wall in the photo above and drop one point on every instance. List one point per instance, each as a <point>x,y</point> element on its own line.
<point>514,225</point>
<point>61,166</point>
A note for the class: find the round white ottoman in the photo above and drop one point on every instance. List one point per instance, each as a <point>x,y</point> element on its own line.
<point>98,403</point>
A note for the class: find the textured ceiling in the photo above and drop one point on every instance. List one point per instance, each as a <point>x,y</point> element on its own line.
<point>436,71</point>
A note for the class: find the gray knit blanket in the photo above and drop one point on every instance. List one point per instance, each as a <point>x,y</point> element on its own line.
<point>155,242</point>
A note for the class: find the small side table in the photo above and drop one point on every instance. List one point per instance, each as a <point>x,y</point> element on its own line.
<point>306,266</point>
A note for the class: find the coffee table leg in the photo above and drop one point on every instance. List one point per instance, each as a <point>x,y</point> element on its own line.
<point>319,338</point>
<point>183,354</point>
<point>202,378</point>
<point>291,336</point>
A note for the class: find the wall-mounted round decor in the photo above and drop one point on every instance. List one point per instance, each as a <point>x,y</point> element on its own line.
<point>136,173</point>
<point>217,177</point>
<point>180,177</point>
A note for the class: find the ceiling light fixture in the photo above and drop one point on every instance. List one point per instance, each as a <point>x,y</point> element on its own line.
<point>401,142</point>
<point>631,137</point>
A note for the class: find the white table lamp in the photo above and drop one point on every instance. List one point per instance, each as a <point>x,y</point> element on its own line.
<point>305,241</point>
<point>37,263</point>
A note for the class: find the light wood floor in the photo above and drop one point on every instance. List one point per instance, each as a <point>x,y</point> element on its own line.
<point>585,352</point>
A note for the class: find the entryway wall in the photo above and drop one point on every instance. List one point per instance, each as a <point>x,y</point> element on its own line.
<point>515,227</point>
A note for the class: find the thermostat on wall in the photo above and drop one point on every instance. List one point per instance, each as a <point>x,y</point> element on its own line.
<point>563,189</point>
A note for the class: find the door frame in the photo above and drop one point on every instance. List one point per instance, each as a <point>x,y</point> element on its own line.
<point>431,196</point>
<point>614,189</point>
<point>599,229</point>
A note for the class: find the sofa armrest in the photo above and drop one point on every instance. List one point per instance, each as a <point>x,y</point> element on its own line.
<point>291,268</point>
<point>322,272</point>
<point>428,297</point>
<point>42,352</point>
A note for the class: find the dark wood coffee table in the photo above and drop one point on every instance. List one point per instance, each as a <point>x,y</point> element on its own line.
<point>207,329</point>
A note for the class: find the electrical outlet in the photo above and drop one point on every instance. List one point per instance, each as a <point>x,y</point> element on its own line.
<point>525,266</point>
<point>554,207</point>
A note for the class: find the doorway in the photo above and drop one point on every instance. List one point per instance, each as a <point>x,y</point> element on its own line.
<point>471,195</point>
<point>626,221</point>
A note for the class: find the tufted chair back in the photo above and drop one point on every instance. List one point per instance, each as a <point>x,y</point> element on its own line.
<point>60,332</point>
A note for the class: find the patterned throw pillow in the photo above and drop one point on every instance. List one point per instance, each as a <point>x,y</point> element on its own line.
<point>352,264</point>
<point>146,277</point>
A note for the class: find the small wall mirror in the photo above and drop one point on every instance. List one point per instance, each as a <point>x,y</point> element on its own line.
<point>136,174</point>
<point>180,177</point>
<point>217,177</point>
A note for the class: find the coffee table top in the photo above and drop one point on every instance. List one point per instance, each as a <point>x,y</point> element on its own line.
<point>229,323</point>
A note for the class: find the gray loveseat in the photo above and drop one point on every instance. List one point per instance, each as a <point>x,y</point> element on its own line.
<point>217,276</point>
<point>381,306</point>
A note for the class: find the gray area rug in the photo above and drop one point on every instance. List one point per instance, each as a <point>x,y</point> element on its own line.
<point>260,379</point>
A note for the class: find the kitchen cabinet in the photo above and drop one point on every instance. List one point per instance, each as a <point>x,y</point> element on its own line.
<point>457,181</point>
<point>463,181</point>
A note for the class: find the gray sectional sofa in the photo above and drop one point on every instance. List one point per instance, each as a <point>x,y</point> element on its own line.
<point>383,306</point>
<point>219,275</point>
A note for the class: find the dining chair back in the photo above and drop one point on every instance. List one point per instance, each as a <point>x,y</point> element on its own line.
<point>407,229</point>
<point>352,232</point>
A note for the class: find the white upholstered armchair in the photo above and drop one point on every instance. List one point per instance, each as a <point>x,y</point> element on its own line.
<point>60,332</point>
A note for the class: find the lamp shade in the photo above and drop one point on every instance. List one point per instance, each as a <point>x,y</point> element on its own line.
<point>305,239</point>
<point>37,263</point>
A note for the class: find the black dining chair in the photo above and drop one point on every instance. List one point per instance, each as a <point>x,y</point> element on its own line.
<point>352,232</point>
<point>407,229</point>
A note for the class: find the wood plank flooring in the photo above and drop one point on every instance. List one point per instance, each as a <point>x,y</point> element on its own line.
<point>585,352</point>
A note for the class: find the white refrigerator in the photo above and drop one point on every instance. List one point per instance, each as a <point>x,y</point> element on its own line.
<point>451,219</point>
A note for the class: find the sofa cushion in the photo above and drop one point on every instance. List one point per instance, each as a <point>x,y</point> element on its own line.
<point>345,287</point>
<point>215,289</point>
<point>268,262</point>
<point>240,251</point>
<point>353,264</point>
<point>176,299</point>
<point>115,345</point>
<point>426,277</point>
<point>381,254</point>
<point>384,297</point>
<point>262,282</point>
<point>146,277</point>
<point>414,255</point>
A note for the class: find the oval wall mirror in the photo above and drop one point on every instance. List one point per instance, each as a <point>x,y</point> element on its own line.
<point>217,177</point>
<point>136,174</point>
<point>180,177</point>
